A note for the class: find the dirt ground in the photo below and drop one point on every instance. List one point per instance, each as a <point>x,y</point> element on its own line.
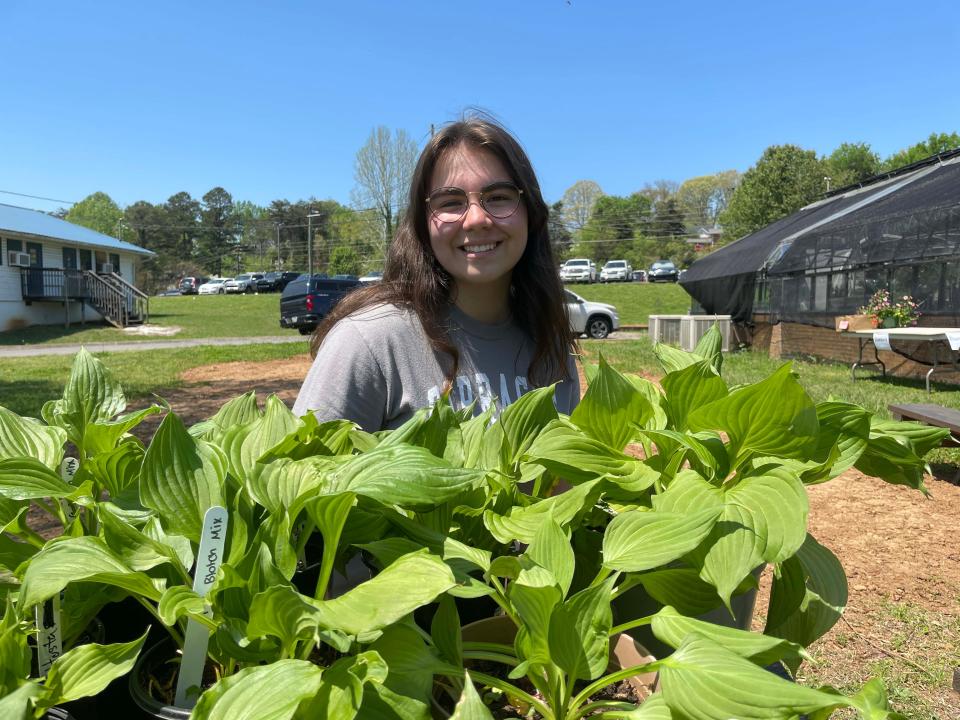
<point>901,552</point>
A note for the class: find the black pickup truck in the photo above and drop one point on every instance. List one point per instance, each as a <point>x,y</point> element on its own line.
<point>306,300</point>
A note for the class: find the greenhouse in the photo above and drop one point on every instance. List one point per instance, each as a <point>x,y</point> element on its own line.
<point>898,231</point>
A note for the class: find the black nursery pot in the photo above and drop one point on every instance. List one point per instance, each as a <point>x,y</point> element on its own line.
<point>57,713</point>
<point>148,706</point>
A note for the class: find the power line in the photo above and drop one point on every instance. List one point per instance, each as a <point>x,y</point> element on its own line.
<point>37,197</point>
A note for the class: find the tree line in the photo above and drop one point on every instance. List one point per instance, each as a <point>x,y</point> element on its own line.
<point>663,219</point>
<point>218,235</point>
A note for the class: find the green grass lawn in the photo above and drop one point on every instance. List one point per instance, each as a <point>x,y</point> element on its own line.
<point>27,383</point>
<point>635,302</point>
<point>197,316</point>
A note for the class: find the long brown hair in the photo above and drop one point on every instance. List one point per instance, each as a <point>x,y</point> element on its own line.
<point>413,278</point>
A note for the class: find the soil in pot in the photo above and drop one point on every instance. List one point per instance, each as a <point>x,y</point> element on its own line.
<point>153,683</point>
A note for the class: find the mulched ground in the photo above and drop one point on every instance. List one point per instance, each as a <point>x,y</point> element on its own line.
<point>901,552</point>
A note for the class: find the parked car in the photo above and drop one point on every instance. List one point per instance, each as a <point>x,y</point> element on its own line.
<point>596,320</point>
<point>190,285</point>
<point>372,277</point>
<point>213,286</point>
<point>306,300</point>
<point>579,270</point>
<point>244,283</point>
<point>616,271</point>
<point>276,281</point>
<point>662,271</point>
<point>638,276</point>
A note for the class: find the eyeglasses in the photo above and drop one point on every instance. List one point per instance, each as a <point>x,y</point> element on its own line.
<point>499,200</point>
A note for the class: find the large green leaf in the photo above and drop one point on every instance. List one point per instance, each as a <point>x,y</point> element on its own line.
<point>240,410</point>
<point>534,598</point>
<point>672,628</point>
<point>920,438</point>
<point>341,691</point>
<point>268,692</point>
<point>690,388</point>
<point>523,521</point>
<point>550,548</point>
<point>285,485</point>
<point>845,427</point>
<point>523,420</point>
<point>329,513</point>
<point>470,706</point>
<point>570,454</point>
<point>81,558</point>
<point>247,443</point>
<point>20,704</point>
<point>639,540</point>
<point>774,417</point>
<point>133,547</point>
<point>15,654</point>
<point>411,477</point>
<point>411,582</point>
<point>682,588</point>
<point>25,478</point>
<point>611,407</point>
<point>710,347</point>
<point>672,359</point>
<point>181,478</point>
<point>808,596</point>
<point>117,469</point>
<point>86,670</point>
<point>580,632</point>
<point>104,435</point>
<point>892,461</point>
<point>445,631</point>
<point>27,437</point>
<point>91,395</point>
<point>703,680</point>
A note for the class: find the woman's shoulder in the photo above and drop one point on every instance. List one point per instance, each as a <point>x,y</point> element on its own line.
<point>378,322</point>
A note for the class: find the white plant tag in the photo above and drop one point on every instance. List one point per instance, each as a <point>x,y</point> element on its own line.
<point>68,468</point>
<point>49,641</point>
<point>209,557</point>
<point>881,340</point>
<point>953,337</point>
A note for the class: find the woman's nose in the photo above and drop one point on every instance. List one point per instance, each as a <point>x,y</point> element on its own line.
<point>475,214</point>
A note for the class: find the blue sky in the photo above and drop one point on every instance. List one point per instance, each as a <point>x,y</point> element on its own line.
<point>272,100</point>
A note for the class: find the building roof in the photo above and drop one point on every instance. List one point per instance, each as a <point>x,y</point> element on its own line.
<point>33,222</point>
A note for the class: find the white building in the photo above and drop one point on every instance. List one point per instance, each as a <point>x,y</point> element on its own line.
<point>52,271</point>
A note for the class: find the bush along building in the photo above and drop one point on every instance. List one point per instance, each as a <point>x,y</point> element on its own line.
<point>53,271</point>
<point>786,284</point>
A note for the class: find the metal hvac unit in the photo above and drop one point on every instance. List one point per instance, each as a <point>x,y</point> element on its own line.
<point>18,259</point>
<point>106,268</point>
<point>665,328</point>
<point>693,327</point>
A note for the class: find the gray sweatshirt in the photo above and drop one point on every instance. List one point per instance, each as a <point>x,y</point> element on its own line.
<point>377,368</point>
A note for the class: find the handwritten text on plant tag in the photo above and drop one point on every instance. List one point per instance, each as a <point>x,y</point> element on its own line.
<point>49,642</point>
<point>213,539</point>
<point>881,340</point>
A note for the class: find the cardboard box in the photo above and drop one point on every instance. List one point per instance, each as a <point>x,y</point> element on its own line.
<point>850,323</point>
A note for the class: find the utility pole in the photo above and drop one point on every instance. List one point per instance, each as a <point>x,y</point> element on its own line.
<point>310,218</point>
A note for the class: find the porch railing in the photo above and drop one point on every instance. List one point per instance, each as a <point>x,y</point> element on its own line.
<point>117,300</point>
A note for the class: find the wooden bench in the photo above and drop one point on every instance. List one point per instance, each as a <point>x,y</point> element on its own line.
<point>929,414</point>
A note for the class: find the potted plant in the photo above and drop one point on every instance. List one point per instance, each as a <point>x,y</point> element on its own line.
<point>889,313</point>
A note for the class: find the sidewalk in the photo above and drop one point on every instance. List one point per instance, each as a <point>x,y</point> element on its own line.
<point>13,351</point>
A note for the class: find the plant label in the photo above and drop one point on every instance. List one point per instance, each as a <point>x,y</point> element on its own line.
<point>68,468</point>
<point>953,337</point>
<point>881,340</point>
<point>213,539</point>
<point>49,641</point>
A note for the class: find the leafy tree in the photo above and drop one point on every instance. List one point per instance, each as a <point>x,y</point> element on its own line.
<point>256,232</point>
<point>702,199</point>
<point>182,225</point>
<point>785,178</point>
<point>614,220</point>
<point>344,260</point>
<point>933,145</point>
<point>560,236</point>
<point>218,230</point>
<point>668,219</point>
<point>578,202</point>
<point>97,212</point>
<point>658,191</point>
<point>851,163</point>
<point>382,171</point>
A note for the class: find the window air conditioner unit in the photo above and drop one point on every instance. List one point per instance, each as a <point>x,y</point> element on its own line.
<point>106,267</point>
<point>18,259</point>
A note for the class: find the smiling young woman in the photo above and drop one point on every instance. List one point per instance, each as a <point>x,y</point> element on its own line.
<point>470,303</point>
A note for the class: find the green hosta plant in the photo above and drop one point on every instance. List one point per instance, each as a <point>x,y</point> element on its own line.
<point>80,672</point>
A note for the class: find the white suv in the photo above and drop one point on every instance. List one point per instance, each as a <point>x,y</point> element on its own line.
<point>579,270</point>
<point>245,283</point>
<point>596,320</point>
<point>616,270</point>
